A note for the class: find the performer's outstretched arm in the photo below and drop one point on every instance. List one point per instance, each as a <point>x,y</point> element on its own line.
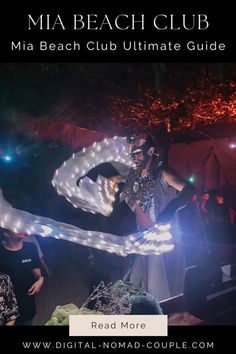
<point>186,192</point>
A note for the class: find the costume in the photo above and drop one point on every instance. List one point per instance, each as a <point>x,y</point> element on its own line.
<point>162,275</point>
<point>19,265</point>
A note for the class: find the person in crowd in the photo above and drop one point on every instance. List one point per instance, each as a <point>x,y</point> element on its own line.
<point>44,267</point>
<point>217,210</point>
<point>218,218</point>
<point>20,261</point>
<point>8,304</point>
<point>204,197</point>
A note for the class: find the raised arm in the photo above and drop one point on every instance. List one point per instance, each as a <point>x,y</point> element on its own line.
<point>186,192</point>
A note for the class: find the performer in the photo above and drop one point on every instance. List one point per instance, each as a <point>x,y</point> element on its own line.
<point>155,193</point>
<point>98,197</point>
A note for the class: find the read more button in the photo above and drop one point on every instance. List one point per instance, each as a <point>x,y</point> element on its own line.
<point>118,325</point>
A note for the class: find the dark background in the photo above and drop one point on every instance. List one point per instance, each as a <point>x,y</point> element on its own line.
<point>11,28</point>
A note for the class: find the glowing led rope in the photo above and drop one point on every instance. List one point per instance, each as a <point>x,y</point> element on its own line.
<point>153,241</point>
<point>22,221</point>
<point>96,197</point>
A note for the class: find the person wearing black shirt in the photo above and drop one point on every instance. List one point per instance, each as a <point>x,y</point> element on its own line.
<point>20,261</point>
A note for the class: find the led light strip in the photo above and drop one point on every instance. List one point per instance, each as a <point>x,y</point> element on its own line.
<point>150,242</point>
<point>95,197</point>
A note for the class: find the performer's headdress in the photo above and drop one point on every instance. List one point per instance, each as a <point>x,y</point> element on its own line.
<point>140,143</point>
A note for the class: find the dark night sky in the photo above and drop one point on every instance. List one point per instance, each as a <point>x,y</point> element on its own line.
<point>36,87</point>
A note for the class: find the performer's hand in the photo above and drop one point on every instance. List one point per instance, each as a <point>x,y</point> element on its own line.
<point>117,179</point>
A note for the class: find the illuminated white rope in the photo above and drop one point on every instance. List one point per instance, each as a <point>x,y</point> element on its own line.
<point>153,241</point>
<point>150,242</point>
<point>94,197</point>
<point>22,221</point>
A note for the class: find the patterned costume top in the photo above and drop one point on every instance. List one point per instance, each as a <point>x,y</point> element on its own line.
<point>139,190</point>
<point>8,304</point>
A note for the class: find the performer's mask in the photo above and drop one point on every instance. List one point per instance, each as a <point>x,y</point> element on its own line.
<point>137,148</point>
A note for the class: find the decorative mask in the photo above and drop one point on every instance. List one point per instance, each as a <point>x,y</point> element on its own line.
<point>137,146</point>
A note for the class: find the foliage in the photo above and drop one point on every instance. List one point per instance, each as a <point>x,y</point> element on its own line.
<point>205,102</point>
<point>60,316</point>
<point>110,299</point>
<point>113,299</point>
<point>142,94</point>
